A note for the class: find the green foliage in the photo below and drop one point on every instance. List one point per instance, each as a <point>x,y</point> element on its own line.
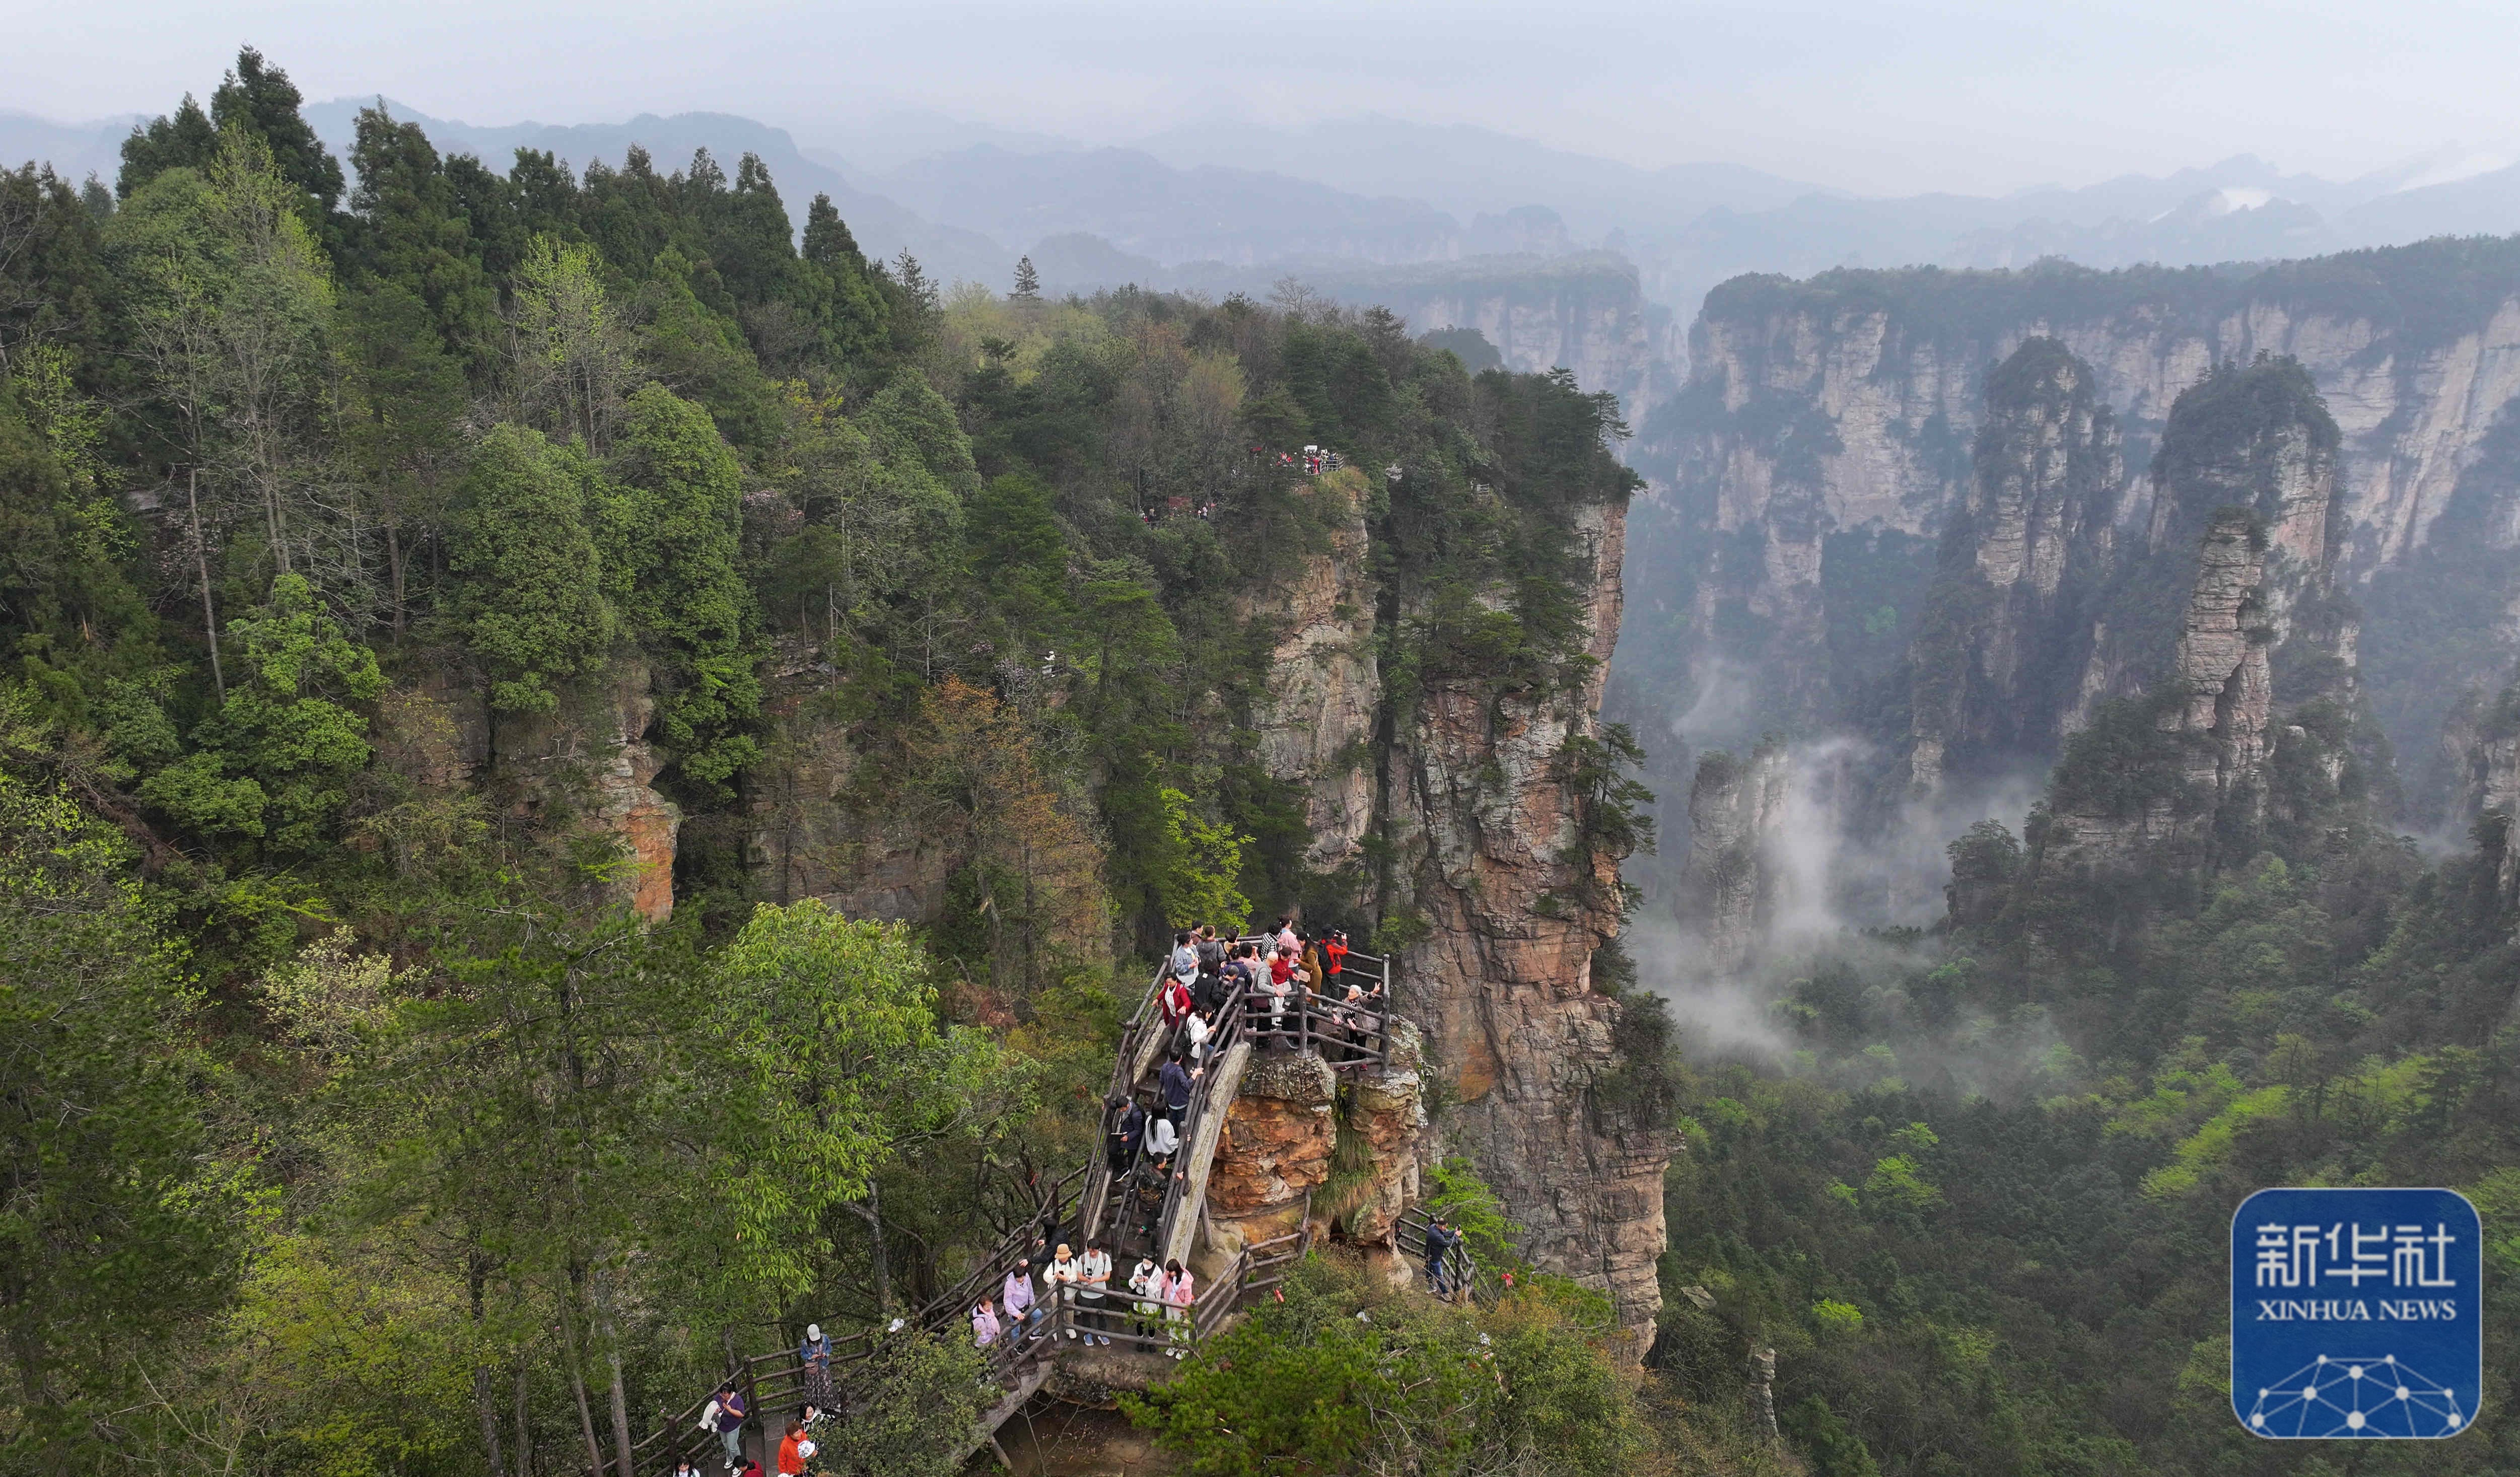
<point>1312,1385</point>
<point>531,585</point>
<point>914,1405</point>
<point>669,539</point>
<point>120,1227</point>
<point>1198,888</point>
<point>274,763</point>
<point>829,1029</point>
<point>1834,1450</point>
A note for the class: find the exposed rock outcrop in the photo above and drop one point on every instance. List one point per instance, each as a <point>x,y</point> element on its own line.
<point>1315,718</point>
<point>2241,530</point>
<point>584,771</point>
<point>1501,982</point>
<point>1822,439</point>
<point>1283,1131</point>
<point>2007,626</point>
<point>1728,886</point>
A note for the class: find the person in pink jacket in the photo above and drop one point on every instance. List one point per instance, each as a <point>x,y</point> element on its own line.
<point>1179,1291</point>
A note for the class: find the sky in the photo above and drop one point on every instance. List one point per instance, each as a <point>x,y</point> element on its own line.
<point>1883,98</point>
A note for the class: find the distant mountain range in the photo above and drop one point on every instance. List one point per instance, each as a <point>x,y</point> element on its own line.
<point>1224,206</point>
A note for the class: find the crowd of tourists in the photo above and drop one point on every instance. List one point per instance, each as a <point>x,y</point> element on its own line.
<point>1274,976</point>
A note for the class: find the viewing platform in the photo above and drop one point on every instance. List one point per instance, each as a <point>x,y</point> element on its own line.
<point>1233,1204</point>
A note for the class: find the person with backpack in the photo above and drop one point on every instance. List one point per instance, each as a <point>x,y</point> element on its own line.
<point>1196,1030</point>
<point>1212,967</point>
<point>1185,960</point>
<point>1334,953</point>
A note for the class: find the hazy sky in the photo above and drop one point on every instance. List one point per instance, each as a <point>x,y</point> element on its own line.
<point>1875,97</point>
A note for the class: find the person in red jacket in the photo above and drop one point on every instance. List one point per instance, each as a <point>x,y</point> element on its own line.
<point>793,1450</point>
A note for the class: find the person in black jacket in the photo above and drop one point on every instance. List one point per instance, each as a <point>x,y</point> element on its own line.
<point>1127,1122</point>
<point>1441,1241</point>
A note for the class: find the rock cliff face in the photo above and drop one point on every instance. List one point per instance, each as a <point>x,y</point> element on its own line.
<point>2007,623</point>
<point>1829,421</point>
<point>584,771</point>
<point>1279,1137</point>
<point>1726,886</point>
<point>1482,823</point>
<point>1315,717</point>
<point>1461,781</point>
<point>2236,581</point>
<point>1583,312</point>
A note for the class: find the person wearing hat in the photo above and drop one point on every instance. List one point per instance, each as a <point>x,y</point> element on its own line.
<point>815,1353</point>
<point>1059,1277</point>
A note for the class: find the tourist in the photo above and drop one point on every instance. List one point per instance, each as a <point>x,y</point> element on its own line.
<point>1023,1312</point>
<point>1185,960</point>
<point>815,1353</point>
<point>1441,1239</point>
<point>1278,983</point>
<point>984,1323</point>
<point>1178,1296</point>
<point>684,1468</point>
<point>1196,1030</point>
<point>1210,993</point>
<point>795,1448</point>
<point>1128,1122</point>
<point>1147,1282</point>
<point>1334,953</point>
<point>1163,1140</point>
<point>724,1416</point>
<point>1094,1280</point>
<point>1059,1280</point>
<point>1176,1080</point>
<point>1286,939</point>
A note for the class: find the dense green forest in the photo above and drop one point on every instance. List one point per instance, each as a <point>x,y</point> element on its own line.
<point>1979,1193</point>
<point>390,546</point>
<point>403,556</point>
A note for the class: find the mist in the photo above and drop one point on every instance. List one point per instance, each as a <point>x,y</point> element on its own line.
<point>1973,97</point>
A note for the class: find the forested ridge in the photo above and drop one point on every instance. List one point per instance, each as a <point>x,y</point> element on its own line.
<point>463,622</point>
<point>458,619</point>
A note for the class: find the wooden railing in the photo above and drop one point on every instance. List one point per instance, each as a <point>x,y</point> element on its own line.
<point>780,1380</point>
<point>1348,1037</point>
<point>1462,1269</point>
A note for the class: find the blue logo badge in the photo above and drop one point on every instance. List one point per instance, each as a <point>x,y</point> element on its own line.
<point>2356,1313</point>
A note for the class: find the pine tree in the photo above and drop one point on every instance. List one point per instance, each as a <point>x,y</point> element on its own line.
<point>1027,281</point>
